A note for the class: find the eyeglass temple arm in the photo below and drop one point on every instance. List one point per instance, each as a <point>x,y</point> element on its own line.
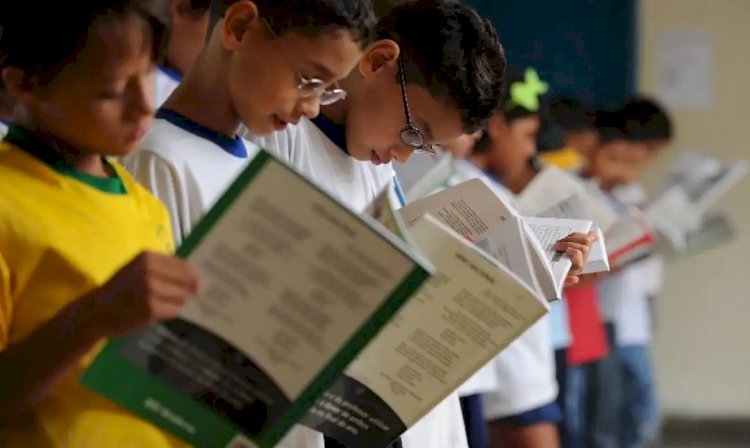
<point>403,89</point>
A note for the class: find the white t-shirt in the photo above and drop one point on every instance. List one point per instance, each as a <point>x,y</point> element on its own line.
<point>189,173</point>
<point>166,82</point>
<point>623,296</point>
<point>525,370</point>
<point>356,184</point>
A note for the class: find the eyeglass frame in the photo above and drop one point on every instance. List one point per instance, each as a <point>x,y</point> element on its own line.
<point>411,129</point>
<point>310,87</point>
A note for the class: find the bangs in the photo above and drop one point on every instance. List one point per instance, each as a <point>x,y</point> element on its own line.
<point>131,33</point>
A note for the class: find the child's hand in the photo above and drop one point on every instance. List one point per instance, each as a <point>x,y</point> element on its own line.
<point>577,246</point>
<point>151,288</point>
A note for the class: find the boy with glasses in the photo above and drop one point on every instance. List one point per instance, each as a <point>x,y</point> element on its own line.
<point>266,64</point>
<point>435,73</point>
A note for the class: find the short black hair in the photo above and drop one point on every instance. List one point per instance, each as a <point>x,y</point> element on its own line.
<point>572,115</point>
<point>44,36</point>
<point>551,135</point>
<point>610,125</point>
<point>311,17</point>
<point>199,5</point>
<point>451,51</point>
<point>644,119</point>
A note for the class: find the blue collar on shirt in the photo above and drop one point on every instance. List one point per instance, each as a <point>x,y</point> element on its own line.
<point>234,146</point>
<point>172,73</point>
<point>335,132</point>
<point>495,178</point>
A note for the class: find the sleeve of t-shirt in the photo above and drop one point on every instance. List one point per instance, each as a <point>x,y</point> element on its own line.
<point>163,181</point>
<point>6,303</point>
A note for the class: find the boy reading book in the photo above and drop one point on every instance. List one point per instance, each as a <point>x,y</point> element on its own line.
<point>187,36</point>
<point>435,73</point>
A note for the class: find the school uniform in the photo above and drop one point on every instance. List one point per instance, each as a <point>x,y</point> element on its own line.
<point>166,81</point>
<point>632,314</point>
<point>62,235</point>
<point>188,167</point>
<point>519,384</point>
<point>317,149</point>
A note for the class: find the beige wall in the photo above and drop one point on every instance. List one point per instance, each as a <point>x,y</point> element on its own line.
<point>702,347</point>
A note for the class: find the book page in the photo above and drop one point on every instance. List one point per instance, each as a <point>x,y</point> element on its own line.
<point>470,208</point>
<point>672,216</point>
<point>704,179</point>
<point>293,286</point>
<point>548,231</point>
<point>631,232</point>
<point>463,316</point>
<point>423,174</point>
<point>574,208</point>
<point>507,243</point>
<point>553,186</point>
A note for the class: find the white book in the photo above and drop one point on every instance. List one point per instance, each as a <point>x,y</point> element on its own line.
<point>423,174</point>
<point>475,211</point>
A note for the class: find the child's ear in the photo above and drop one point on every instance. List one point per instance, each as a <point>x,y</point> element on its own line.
<point>378,56</point>
<point>239,19</point>
<point>19,84</point>
<point>496,124</point>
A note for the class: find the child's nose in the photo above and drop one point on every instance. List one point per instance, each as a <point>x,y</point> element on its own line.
<point>402,152</point>
<point>310,107</point>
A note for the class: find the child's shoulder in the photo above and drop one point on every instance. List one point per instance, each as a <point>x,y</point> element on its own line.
<point>145,201</point>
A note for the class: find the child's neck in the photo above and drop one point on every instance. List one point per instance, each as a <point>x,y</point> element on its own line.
<point>480,160</point>
<point>336,112</point>
<point>203,97</point>
<point>65,154</point>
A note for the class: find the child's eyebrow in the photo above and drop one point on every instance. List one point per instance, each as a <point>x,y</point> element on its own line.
<point>427,130</point>
<point>322,70</point>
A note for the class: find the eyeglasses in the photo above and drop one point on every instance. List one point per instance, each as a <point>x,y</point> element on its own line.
<point>411,135</point>
<point>313,87</point>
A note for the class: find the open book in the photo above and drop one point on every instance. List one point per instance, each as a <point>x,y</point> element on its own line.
<point>294,286</point>
<point>624,236</point>
<point>524,245</point>
<point>694,184</point>
<point>704,179</point>
<point>462,318</point>
<point>423,174</point>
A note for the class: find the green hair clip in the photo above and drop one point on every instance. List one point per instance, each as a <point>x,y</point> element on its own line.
<point>526,93</point>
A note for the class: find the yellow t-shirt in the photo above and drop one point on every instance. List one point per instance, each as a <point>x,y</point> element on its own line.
<point>567,158</point>
<point>59,239</point>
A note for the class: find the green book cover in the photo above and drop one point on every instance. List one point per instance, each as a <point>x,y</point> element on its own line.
<point>294,285</point>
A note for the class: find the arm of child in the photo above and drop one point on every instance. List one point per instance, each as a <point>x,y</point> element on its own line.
<point>151,288</point>
<point>577,246</point>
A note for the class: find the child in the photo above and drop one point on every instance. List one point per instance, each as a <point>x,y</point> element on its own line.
<point>647,123</point>
<point>581,138</point>
<point>266,64</point>
<point>616,162</point>
<point>187,36</point>
<point>523,410</point>
<point>435,73</point>
<point>81,244</point>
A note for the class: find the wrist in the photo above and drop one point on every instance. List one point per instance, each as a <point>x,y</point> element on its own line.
<point>82,319</point>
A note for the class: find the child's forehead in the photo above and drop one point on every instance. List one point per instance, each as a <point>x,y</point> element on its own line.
<point>110,46</point>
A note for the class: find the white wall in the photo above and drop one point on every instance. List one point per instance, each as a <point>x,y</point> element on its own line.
<point>702,347</point>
